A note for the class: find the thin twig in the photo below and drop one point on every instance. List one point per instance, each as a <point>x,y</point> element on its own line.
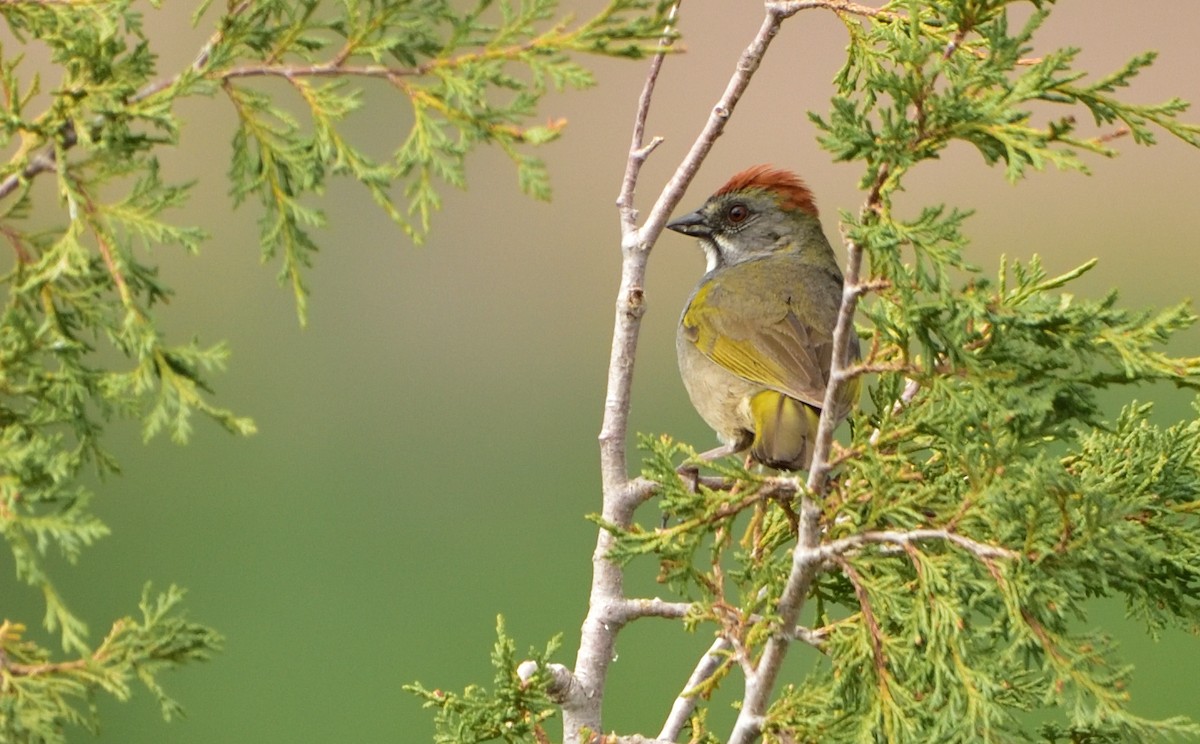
<point>795,6</point>
<point>108,252</point>
<point>980,550</point>
<point>46,160</point>
<point>638,151</point>
<point>332,68</point>
<point>864,603</point>
<point>38,164</point>
<point>858,370</point>
<point>709,663</point>
<point>627,610</point>
<point>202,58</point>
<point>814,637</point>
<point>17,241</point>
<point>100,655</point>
<point>1114,134</point>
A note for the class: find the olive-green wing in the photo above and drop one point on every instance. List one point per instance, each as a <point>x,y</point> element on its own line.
<point>781,339</point>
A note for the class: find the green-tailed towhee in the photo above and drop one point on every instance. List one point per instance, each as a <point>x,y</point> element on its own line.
<point>756,338</point>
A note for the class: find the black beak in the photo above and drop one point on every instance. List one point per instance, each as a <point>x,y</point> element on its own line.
<point>692,224</point>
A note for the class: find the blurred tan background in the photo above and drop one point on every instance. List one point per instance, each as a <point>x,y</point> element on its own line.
<point>427,445</point>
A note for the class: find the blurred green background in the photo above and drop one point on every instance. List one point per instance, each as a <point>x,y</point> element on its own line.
<point>427,444</point>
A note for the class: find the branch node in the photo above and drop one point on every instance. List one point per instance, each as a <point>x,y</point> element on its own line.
<point>643,152</point>
<point>563,687</point>
<point>635,303</point>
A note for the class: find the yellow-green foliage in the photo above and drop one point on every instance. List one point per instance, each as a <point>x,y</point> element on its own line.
<point>79,341</point>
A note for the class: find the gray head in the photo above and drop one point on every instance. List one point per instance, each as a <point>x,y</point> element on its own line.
<point>760,211</point>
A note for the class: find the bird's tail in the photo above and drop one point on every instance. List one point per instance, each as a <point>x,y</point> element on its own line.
<point>784,431</point>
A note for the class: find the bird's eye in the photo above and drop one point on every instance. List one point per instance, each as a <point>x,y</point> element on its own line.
<point>737,213</point>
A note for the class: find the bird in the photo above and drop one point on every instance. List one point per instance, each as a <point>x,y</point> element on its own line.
<point>755,340</point>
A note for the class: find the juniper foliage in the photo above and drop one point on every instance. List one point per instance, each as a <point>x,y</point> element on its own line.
<point>79,341</point>
<point>512,711</point>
